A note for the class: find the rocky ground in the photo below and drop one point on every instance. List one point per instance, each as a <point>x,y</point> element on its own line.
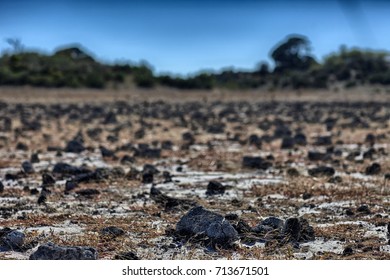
<point>195,179</point>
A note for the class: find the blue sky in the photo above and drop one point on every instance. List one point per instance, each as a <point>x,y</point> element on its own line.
<point>182,37</point>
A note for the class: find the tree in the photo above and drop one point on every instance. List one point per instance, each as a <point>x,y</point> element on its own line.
<point>293,54</point>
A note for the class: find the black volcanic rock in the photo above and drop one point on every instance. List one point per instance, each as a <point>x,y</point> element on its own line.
<point>200,222</point>
<point>373,169</point>
<point>51,251</point>
<point>215,188</point>
<point>255,163</point>
<point>287,143</point>
<point>27,167</point>
<point>321,171</point>
<point>75,146</point>
<point>67,169</point>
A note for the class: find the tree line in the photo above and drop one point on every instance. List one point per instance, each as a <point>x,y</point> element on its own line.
<point>294,67</point>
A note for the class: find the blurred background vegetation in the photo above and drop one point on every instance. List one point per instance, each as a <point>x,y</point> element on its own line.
<point>294,67</point>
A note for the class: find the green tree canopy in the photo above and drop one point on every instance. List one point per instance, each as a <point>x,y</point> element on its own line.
<point>293,54</point>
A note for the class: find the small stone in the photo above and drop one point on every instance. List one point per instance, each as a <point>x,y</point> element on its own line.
<point>215,188</point>
<point>287,143</point>
<point>321,171</point>
<point>70,185</point>
<point>349,212</point>
<point>373,169</point>
<point>27,167</point>
<point>34,158</point>
<point>47,179</point>
<point>335,180</point>
<point>347,251</point>
<point>75,146</point>
<point>106,152</point>
<point>306,195</point>
<point>292,172</point>
<point>51,251</point>
<point>112,231</point>
<point>255,163</point>
<point>363,209</point>
<point>126,256</point>
<point>231,216</point>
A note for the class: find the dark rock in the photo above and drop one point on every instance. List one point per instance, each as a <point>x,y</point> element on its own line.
<point>254,140</point>
<point>112,138</point>
<point>242,227</point>
<point>126,159</point>
<point>306,196</point>
<point>300,139</point>
<point>133,174</point>
<point>34,158</point>
<point>169,203</point>
<point>370,139</point>
<point>21,147</point>
<point>34,191</point>
<point>349,212</point>
<point>215,188</point>
<point>373,169</point>
<point>167,176</point>
<point>292,229</point>
<point>200,222</point>
<point>255,163</point>
<point>13,239</point>
<point>273,222</point>
<point>70,185</point>
<point>67,169</point>
<point>126,256</point>
<point>1,187</point>
<point>75,146</point>
<point>316,156</point>
<point>110,118</point>
<point>11,177</point>
<point>287,143</point>
<point>307,231</point>
<point>88,192</point>
<point>139,134</point>
<point>231,216</point>
<point>347,251</point>
<point>148,152</point>
<point>335,180</point>
<point>188,138</point>
<point>363,209</point>
<point>27,167</point>
<point>43,196</point>
<point>369,154</point>
<point>147,177</point>
<point>51,251</point>
<point>321,171</point>
<point>323,141</point>
<point>112,231</point>
<point>47,179</point>
<point>387,176</point>
<point>106,152</point>
<point>216,128</point>
<point>292,172</point>
<point>167,145</point>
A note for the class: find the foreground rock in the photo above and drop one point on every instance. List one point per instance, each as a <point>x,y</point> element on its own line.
<point>199,222</point>
<point>51,251</point>
<point>11,239</point>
